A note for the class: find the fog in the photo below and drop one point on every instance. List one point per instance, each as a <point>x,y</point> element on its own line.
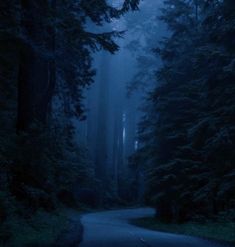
<point>113,104</point>
<point>117,104</point>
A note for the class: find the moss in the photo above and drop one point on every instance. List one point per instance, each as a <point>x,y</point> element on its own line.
<point>224,231</point>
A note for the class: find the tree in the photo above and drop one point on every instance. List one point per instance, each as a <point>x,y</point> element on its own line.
<point>188,134</point>
<point>46,62</point>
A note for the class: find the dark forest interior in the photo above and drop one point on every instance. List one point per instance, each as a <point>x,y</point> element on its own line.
<point>116,104</point>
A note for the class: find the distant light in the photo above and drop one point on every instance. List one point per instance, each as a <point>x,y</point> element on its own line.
<point>136,145</point>
<point>124,127</point>
<point>124,135</point>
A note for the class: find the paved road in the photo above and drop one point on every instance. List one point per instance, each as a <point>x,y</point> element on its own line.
<point>111,229</point>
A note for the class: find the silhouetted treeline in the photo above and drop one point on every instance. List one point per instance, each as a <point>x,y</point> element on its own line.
<point>188,132</point>
<point>45,64</point>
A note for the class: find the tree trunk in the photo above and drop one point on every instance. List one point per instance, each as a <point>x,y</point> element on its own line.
<point>37,74</point>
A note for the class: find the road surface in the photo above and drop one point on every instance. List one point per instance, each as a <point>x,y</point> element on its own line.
<point>112,229</point>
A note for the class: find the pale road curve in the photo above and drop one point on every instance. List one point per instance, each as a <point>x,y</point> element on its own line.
<point>112,229</point>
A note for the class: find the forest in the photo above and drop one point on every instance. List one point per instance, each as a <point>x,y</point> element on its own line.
<point>123,105</point>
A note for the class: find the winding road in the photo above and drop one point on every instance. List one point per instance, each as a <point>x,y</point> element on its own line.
<point>112,229</point>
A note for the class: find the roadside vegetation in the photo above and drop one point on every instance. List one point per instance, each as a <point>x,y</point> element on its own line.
<point>41,229</point>
<point>221,228</point>
<point>187,134</point>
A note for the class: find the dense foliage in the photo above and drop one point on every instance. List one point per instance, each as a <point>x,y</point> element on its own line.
<point>45,64</point>
<point>188,132</point>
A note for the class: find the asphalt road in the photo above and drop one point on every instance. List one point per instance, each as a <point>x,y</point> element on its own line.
<point>112,229</point>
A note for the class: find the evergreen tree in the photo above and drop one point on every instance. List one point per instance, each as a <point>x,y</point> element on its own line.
<point>188,132</point>
<point>46,62</point>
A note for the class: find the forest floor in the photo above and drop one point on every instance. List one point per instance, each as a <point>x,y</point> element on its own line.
<point>58,228</point>
<point>223,231</point>
<point>126,227</point>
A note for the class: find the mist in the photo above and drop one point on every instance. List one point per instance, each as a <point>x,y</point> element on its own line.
<point>117,123</point>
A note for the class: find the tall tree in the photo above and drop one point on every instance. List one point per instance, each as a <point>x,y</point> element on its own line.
<point>187,133</point>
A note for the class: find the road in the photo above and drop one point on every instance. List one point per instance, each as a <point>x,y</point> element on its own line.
<point>112,229</point>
